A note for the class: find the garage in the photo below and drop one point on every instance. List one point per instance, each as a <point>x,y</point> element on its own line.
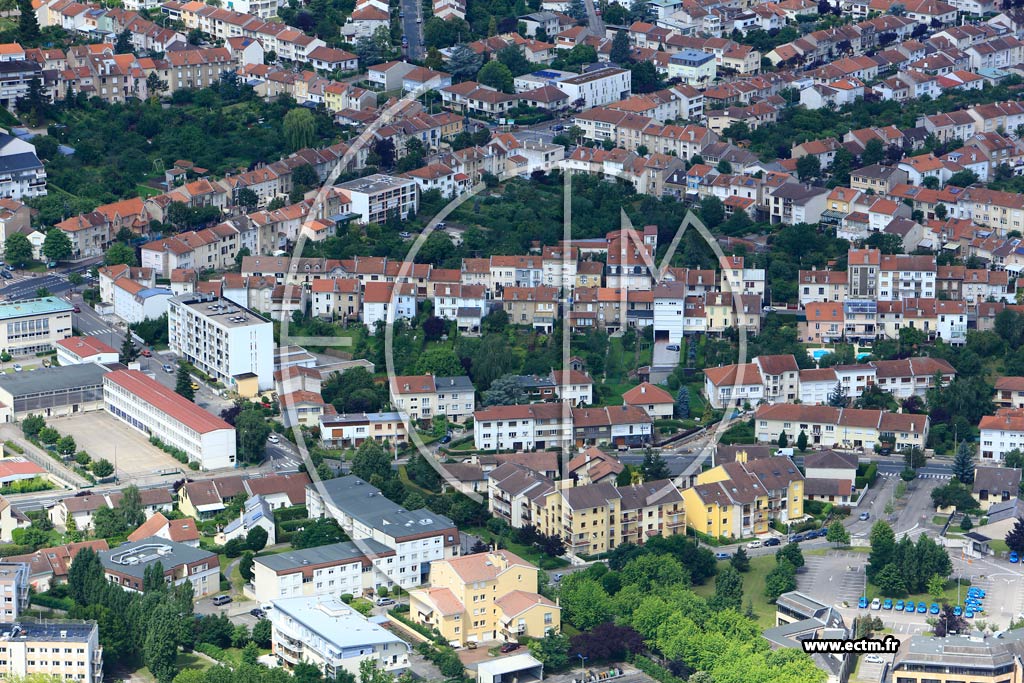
<point>521,668</point>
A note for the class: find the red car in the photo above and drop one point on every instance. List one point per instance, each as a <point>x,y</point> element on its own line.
<point>147,353</point>
<point>510,647</point>
<point>77,308</point>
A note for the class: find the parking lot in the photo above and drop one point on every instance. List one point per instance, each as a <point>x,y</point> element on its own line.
<point>104,436</point>
<point>835,578</point>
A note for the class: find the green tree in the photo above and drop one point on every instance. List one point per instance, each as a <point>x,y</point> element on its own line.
<point>505,391</point>
<point>791,553</point>
<point>496,75</point>
<point>66,445</point>
<point>18,250</point>
<point>739,560</point>
<point>837,533</point>
<point>712,211</point>
<point>963,463</point>
<point>963,178</point>
<point>890,582</point>
<point>371,461</point>
<point>299,128</point>
<point>256,539</point>
<point>808,167</point>
<point>120,254</point>
<point>585,602</point>
<point>251,432</point>
<point>728,590</point>
<point>123,45</point>
<point>32,425</point>
<point>783,440</point>
<point>28,25</point>
<point>552,650</point>
<point>130,508</point>
<point>937,587</point>
<point>874,152</point>
<point>128,351</point>
<point>102,468</point>
<point>883,546</point>
<point>262,632</point>
<point>620,53</point>
<point>781,579</point>
<point>838,397</point>
<point>654,467</point>
<point>160,647</point>
<point>439,361</point>
<point>463,63</point>
<point>245,564</point>
<point>57,245</point>
<point>801,440</point>
<point>247,198</point>
<point>183,383</point>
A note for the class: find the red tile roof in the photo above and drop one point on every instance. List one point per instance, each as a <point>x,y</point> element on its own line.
<point>165,400</point>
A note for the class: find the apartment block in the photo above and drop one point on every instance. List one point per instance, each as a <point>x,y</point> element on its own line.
<point>335,569</point>
<point>228,342</point>
<point>378,197</point>
<point>484,597</point>
<point>31,326</point>
<point>422,397</point>
<point>846,428</point>
<point>61,649</point>
<point>418,537</point>
<point>126,565</point>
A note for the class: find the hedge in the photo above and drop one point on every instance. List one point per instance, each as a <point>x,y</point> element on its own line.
<point>52,602</point>
<point>14,447</point>
<point>293,524</point>
<point>211,650</point>
<point>290,513</point>
<point>655,670</point>
<point>870,473</point>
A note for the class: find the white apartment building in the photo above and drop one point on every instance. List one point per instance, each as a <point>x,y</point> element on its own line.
<point>134,302</point>
<point>905,277</point>
<point>417,536</point>
<point>378,197</point>
<point>1000,434</point>
<point>14,589</point>
<point>333,637</point>
<point>78,350</point>
<point>379,297</point>
<point>335,569</point>
<point>63,649</point>
<point>229,342</point>
<point>30,326</point>
<point>422,397</point>
<point>669,308</point>
<point>159,412</point>
<point>591,89</point>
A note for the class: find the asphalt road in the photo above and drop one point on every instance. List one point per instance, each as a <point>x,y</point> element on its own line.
<point>411,29</point>
<point>26,289</point>
<point>594,22</point>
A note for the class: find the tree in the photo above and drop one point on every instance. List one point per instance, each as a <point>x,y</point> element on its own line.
<point>838,397</point>
<point>791,553</point>
<point>504,391</point>
<point>245,564</point>
<point>130,508</point>
<point>712,211</point>
<point>883,547</point>
<point>577,10</point>
<point>128,351</point>
<point>654,467</point>
<point>783,440</point>
<point>28,25</point>
<point>183,383</point>
<point>728,590</point>
<point>463,63</point>
<point>160,648</point>
<point>261,633</point>
<point>320,532</point>
<point>57,245</point>
<point>913,457</point>
<point>963,463</point>
<point>256,539</point>
<point>107,523</point>
<point>371,461</point>
<point>1015,537</point>
<point>513,58</point>
<point>620,53</point>
<point>607,643</point>
<point>299,128</point>
<point>837,533</point>
<point>368,51</point>
<point>683,403</point>
<point>66,445</point>
<point>18,250</point>
<point>964,178</point>
<point>781,579</point>
<point>123,45</point>
<point>874,152</point>
<point>739,560</point>
<point>801,440</point>
<point>724,166</point>
<point>552,650</point>
<point>251,432</point>
<point>496,75</point>
<point>585,603</point>
<point>890,582</point>
<point>808,167</point>
<point>155,85</point>
<point>102,468</point>
<point>936,587</point>
<point>248,199</point>
<point>32,425</point>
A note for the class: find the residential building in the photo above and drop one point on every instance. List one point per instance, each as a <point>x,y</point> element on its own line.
<point>1009,392</point>
<point>333,637</point>
<point>49,566</point>
<point>11,518</point>
<point>501,590</point>
<point>349,430</point>
<point>377,197</point>
<point>21,172</point>
<point>14,580</point>
<point>422,397</point>
<point>657,402</point>
<point>418,537</point>
<point>733,385</point>
<point>229,342</point>
<point>846,428</point>
<point>78,350</point>
<point>385,302</point>
<point>66,649</point>
<point>182,531</point>
<point>205,498</point>
<point>334,569</point>
<point>256,512</point>
<point>160,413</point>
<point>830,476</point>
<point>994,485</point>
<point>126,565</point>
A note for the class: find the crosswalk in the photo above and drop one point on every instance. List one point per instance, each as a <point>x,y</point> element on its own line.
<point>926,475</point>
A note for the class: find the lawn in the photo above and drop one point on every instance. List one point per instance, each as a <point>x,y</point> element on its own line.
<point>526,552</point>
<point>753,588</point>
<point>998,546</point>
<point>145,191</point>
<point>948,596</point>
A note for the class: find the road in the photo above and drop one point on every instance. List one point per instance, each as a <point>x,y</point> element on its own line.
<point>412,27</point>
<point>26,288</point>
<point>594,22</point>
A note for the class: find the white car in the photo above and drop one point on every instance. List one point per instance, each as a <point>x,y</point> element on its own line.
<point>876,604</point>
<point>873,659</point>
<point>754,544</point>
<point>273,438</point>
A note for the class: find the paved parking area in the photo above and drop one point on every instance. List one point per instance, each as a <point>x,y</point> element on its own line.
<point>1002,582</point>
<point>871,672</point>
<point>834,578</point>
<point>663,357</point>
<point>103,436</point>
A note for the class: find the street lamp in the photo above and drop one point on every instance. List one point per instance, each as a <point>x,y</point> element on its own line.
<point>583,661</point>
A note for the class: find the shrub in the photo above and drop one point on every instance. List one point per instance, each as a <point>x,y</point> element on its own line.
<point>655,671</point>
<point>14,447</point>
<point>346,598</point>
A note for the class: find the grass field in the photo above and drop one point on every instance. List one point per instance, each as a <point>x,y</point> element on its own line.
<point>145,191</point>
<point>526,552</point>
<point>753,588</point>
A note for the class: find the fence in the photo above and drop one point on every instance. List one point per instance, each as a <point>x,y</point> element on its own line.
<point>57,471</point>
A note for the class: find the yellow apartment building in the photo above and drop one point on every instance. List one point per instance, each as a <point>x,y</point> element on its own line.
<point>485,597</point>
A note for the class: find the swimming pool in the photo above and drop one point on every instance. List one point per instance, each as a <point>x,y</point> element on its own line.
<point>818,354</point>
<point>862,356</point>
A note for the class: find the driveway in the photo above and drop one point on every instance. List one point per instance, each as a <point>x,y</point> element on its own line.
<point>663,356</point>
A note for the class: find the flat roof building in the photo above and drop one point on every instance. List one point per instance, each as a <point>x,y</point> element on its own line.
<point>80,656</point>
<point>31,326</point>
<point>52,392</point>
<point>333,637</point>
<point>334,569</point>
<point>377,197</point>
<point>159,412</point>
<point>226,341</point>
<point>126,565</point>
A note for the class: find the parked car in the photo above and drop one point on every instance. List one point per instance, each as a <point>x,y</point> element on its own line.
<point>911,606</point>
<point>887,603</point>
<point>17,368</point>
<point>922,608</point>
<point>933,608</point>
<point>722,556</point>
<point>446,438</point>
<point>168,368</point>
<point>6,275</point>
<point>876,604</point>
<point>899,606</point>
<point>864,516</point>
<point>384,602</point>
<point>968,614</point>
<point>146,353</point>
<point>862,603</point>
<point>975,591</point>
<point>76,308</point>
<point>772,542</point>
<point>274,438</point>
<point>558,577</point>
<point>222,600</point>
<point>672,347</point>
<point>510,647</point>
<point>957,611</point>
<point>258,613</point>
<point>1014,557</point>
<point>405,235</point>
<point>873,659</point>
<point>754,544</point>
